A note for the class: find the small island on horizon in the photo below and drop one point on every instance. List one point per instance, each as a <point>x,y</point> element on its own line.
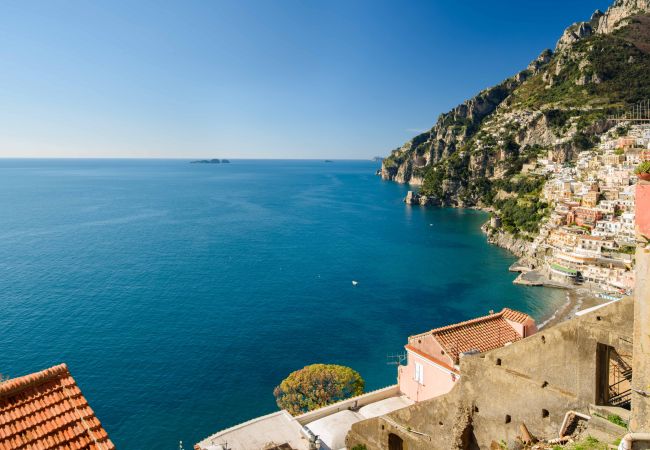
<point>210,161</point>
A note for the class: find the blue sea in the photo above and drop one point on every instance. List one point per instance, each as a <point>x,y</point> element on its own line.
<point>181,294</point>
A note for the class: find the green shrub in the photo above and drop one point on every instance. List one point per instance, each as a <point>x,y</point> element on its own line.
<point>644,167</point>
<point>317,385</point>
<point>617,420</point>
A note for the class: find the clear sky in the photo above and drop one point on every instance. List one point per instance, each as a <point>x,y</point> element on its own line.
<point>253,79</point>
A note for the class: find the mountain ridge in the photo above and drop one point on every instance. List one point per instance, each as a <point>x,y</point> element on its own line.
<point>557,106</point>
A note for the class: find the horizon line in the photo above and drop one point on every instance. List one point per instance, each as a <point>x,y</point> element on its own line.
<point>188,159</point>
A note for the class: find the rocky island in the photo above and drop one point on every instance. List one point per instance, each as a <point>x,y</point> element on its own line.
<point>210,161</point>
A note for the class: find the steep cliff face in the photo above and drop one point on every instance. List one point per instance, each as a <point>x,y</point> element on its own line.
<point>453,129</point>
<point>618,15</point>
<point>556,107</point>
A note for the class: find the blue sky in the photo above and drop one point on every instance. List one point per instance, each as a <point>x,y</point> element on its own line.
<point>253,79</point>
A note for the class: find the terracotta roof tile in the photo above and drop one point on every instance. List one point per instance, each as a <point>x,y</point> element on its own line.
<point>515,316</point>
<point>480,334</point>
<point>46,410</point>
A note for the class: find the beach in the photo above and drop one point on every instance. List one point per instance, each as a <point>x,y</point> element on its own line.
<point>577,299</point>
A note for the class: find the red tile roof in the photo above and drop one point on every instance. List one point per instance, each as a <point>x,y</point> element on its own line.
<point>46,410</point>
<point>481,334</point>
<point>514,316</point>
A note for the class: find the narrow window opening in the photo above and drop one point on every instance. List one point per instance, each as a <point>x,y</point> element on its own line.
<point>419,373</point>
<point>498,361</point>
<point>545,413</point>
<point>544,384</point>
<point>508,418</point>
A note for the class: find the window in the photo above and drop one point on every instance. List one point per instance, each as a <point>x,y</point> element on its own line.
<point>419,373</point>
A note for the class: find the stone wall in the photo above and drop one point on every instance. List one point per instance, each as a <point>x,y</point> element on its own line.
<point>640,421</point>
<point>533,381</point>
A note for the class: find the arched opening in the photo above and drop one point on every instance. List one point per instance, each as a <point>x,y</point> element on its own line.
<point>395,442</point>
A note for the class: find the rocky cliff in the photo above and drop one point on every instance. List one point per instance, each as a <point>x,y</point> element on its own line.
<point>480,153</point>
<point>517,246</point>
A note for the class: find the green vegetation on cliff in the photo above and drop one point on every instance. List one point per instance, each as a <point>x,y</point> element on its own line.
<point>602,72</point>
<point>475,154</point>
<point>522,212</point>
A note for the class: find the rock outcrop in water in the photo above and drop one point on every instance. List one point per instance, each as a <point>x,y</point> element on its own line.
<point>209,161</point>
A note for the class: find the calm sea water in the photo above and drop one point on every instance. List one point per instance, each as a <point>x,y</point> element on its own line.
<point>181,294</point>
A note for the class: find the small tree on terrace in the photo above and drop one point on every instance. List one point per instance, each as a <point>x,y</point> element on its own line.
<point>317,385</point>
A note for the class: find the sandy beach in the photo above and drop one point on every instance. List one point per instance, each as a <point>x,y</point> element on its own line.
<point>577,299</point>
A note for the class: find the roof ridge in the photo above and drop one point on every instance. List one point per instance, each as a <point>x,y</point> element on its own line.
<point>14,384</point>
<point>467,322</point>
<point>470,321</point>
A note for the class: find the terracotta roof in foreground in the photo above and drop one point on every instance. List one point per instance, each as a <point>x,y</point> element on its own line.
<point>46,410</point>
<point>480,334</point>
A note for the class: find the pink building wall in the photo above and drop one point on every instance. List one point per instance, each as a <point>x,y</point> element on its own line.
<point>428,345</point>
<point>642,214</point>
<point>528,328</point>
<point>437,379</point>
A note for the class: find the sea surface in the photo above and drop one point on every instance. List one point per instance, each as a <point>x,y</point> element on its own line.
<point>180,294</point>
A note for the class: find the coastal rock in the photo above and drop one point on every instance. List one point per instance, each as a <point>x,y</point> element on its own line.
<point>411,198</point>
<point>517,246</point>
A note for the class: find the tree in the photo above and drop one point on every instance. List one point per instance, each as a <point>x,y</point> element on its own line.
<point>317,385</point>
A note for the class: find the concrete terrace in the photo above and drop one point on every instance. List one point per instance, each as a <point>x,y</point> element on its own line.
<point>264,432</point>
<point>324,428</point>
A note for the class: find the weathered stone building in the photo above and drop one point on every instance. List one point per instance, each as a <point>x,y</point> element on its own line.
<point>534,381</point>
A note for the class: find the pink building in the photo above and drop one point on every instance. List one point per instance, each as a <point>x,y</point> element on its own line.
<point>643,208</point>
<point>432,366</point>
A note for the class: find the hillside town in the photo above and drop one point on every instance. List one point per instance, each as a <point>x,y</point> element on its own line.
<point>589,238</point>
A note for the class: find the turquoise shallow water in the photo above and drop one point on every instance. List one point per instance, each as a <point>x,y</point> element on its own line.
<point>181,294</point>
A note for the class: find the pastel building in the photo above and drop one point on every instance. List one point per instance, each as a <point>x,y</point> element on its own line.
<point>433,357</point>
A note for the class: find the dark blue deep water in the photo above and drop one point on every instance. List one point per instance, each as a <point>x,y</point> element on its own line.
<point>181,294</point>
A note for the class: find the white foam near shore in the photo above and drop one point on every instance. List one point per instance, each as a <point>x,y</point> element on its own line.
<point>554,316</point>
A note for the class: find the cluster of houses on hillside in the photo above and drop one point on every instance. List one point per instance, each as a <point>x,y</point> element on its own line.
<point>589,237</point>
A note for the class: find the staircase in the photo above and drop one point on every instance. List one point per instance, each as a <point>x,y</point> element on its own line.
<point>620,391</point>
